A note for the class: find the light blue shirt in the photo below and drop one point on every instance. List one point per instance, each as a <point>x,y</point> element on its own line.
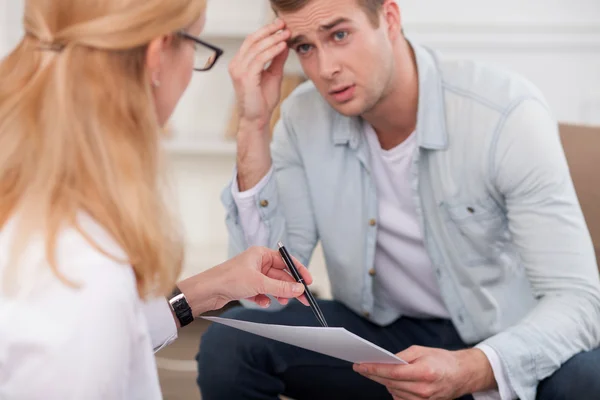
<point>501,222</point>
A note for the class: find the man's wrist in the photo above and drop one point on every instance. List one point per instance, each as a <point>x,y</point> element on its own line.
<point>253,155</point>
<point>478,373</point>
<point>247,178</point>
<point>253,127</point>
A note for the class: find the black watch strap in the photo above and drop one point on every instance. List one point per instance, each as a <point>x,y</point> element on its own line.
<point>180,307</point>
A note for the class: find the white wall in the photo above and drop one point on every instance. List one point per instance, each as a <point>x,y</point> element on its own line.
<point>554,43</point>
<point>11,12</point>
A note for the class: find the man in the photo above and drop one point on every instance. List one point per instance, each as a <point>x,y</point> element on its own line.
<point>442,198</point>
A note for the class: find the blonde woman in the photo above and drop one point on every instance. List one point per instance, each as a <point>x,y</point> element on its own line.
<point>87,248</point>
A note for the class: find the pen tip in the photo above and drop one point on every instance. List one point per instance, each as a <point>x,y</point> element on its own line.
<point>280,244</point>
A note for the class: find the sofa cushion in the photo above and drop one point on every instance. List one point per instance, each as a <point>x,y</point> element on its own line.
<point>582,148</point>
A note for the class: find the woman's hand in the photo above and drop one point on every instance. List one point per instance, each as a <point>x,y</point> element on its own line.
<point>251,275</point>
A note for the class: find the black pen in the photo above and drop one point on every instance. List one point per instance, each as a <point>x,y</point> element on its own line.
<point>287,259</point>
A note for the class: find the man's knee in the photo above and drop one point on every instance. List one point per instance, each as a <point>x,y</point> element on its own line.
<point>224,350</point>
<point>576,379</point>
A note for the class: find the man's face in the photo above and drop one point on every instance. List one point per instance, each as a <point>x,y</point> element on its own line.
<point>347,58</point>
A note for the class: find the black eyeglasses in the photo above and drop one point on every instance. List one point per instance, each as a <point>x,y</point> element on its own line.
<point>205,54</point>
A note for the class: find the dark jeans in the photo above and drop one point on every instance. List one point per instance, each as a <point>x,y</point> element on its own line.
<point>237,365</point>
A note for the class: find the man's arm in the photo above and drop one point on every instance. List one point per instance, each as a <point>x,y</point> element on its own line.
<point>550,233</point>
<point>283,202</point>
<point>548,228</point>
<point>272,172</point>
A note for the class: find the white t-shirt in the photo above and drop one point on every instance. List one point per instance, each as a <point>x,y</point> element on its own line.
<point>404,279</point>
<point>58,342</point>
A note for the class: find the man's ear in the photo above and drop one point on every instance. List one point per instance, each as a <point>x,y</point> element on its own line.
<point>393,18</point>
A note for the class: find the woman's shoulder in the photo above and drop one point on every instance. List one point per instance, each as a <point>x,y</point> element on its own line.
<point>93,254</point>
<point>91,264</point>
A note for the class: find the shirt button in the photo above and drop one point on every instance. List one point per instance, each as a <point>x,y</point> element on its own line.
<point>264,203</point>
<point>372,272</point>
<point>372,222</point>
<point>366,314</point>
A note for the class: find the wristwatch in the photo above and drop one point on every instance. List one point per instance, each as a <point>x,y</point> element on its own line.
<point>180,307</point>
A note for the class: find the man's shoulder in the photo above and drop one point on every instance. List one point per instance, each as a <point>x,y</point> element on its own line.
<point>490,85</point>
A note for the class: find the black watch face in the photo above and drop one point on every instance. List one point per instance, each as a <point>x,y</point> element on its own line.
<point>183,311</point>
<point>180,304</point>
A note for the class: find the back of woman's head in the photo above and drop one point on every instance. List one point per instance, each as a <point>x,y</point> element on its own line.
<point>79,130</point>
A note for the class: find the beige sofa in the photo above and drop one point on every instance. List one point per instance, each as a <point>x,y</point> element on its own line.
<point>582,148</point>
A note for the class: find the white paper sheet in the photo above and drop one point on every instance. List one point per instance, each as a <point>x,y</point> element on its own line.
<point>334,342</point>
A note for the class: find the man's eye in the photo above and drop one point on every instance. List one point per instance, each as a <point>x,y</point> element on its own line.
<point>340,35</point>
<point>303,48</point>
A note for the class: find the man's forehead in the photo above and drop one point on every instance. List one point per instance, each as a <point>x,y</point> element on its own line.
<point>302,29</point>
<point>320,14</point>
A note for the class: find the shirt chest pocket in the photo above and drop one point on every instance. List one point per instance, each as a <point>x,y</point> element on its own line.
<point>477,228</point>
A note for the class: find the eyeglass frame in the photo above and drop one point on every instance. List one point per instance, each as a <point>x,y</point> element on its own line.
<point>219,52</point>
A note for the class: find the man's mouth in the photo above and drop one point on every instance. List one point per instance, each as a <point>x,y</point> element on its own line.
<point>342,94</point>
<point>339,89</point>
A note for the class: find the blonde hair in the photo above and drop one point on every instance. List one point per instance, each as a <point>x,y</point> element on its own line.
<point>79,131</point>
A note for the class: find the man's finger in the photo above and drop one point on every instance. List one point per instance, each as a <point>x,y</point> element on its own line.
<point>276,67</point>
<point>408,372</point>
<point>400,395</point>
<point>401,389</point>
<point>420,390</point>
<point>260,34</point>
<point>262,46</point>
<point>383,381</point>
<point>257,65</point>
<point>379,370</point>
<point>412,353</point>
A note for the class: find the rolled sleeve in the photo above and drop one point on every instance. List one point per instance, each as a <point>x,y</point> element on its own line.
<point>248,202</point>
<point>504,391</point>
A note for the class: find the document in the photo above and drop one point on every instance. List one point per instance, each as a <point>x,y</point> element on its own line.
<point>334,342</point>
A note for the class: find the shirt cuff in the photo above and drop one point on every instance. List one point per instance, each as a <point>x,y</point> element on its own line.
<point>161,325</point>
<point>253,191</point>
<point>504,391</point>
<point>255,230</point>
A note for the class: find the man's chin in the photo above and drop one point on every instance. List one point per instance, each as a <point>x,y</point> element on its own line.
<point>351,108</point>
